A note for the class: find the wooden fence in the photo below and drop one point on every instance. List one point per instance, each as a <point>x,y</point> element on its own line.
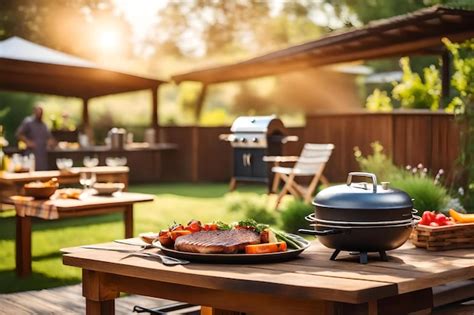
<point>409,137</point>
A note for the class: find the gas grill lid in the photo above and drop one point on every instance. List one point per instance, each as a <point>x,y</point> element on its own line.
<point>259,124</point>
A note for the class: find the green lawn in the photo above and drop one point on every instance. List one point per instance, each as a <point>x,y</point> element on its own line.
<point>180,202</point>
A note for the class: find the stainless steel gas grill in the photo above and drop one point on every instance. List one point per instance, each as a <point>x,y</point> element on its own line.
<point>252,138</point>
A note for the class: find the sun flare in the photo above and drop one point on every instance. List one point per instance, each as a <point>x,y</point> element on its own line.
<point>108,40</point>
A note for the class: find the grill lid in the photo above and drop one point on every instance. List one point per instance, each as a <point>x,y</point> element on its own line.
<point>362,196</point>
<point>258,124</point>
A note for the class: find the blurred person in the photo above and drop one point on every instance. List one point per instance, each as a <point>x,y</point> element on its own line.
<point>37,137</point>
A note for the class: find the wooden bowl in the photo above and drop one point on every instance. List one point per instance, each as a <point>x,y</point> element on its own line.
<point>40,192</point>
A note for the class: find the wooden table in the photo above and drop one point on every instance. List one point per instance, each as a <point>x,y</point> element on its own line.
<point>310,285</point>
<point>69,208</point>
<point>12,183</point>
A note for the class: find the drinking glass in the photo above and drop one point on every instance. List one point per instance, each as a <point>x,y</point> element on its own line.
<point>87,179</point>
<point>64,163</point>
<point>91,161</point>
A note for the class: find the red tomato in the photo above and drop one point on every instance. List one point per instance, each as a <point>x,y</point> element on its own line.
<point>441,219</point>
<point>177,227</point>
<point>428,217</point>
<point>434,224</point>
<point>194,226</point>
<point>210,227</point>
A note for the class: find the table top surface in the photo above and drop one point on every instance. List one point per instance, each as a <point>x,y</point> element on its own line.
<point>74,172</point>
<point>312,276</point>
<point>101,201</point>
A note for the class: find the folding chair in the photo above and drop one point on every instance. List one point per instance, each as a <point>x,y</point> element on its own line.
<point>311,162</point>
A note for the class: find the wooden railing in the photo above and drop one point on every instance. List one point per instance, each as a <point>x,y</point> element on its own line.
<point>410,137</point>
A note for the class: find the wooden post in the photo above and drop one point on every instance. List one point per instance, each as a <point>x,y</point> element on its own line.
<point>23,246</point>
<point>200,103</point>
<point>86,122</point>
<point>445,77</point>
<point>154,117</point>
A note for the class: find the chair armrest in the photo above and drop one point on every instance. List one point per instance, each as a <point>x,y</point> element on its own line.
<point>280,159</point>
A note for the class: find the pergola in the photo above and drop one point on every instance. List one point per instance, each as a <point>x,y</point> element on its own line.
<point>29,67</point>
<point>416,33</point>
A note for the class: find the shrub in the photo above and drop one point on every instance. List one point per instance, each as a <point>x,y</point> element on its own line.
<point>252,206</point>
<point>293,214</point>
<point>378,163</point>
<point>261,215</point>
<point>378,101</point>
<point>426,194</point>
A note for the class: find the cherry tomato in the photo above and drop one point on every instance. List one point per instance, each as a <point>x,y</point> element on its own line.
<point>210,227</point>
<point>441,219</point>
<point>428,217</point>
<point>194,226</point>
<point>165,239</point>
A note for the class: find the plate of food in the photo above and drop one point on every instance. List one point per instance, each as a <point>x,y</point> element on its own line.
<point>69,193</point>
<point>243,242</point>
<point>41,190</point>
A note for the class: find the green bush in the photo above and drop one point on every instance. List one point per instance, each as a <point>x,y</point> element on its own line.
<point>292,216</point>
<point>252,206</point>
<point>377,163</point>
<point>261,215</point>
<point>426,194</point>
<point>378,101</point>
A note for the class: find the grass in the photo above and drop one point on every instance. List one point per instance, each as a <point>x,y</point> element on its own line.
<point>180,202</point>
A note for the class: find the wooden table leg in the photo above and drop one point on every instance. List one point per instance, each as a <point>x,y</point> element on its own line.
<point>206,310</point>
<point>100,297</point>
<point>128,220</point>
<point>23,246</point>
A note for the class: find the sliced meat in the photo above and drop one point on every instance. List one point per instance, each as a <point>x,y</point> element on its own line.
<point>217,242</point>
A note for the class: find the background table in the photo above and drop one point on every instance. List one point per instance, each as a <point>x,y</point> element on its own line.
<point>12,183</point>
<point>311,285</point>
<point>68,208</point>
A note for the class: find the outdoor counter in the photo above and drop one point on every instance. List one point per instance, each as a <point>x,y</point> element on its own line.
<point>144,161</point>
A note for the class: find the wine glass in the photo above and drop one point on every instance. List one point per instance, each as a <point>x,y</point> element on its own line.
<point>64,164</point>
<point>90,161</point>
<point>87,179</point>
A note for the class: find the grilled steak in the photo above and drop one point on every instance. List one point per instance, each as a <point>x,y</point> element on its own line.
<point>217,242</point>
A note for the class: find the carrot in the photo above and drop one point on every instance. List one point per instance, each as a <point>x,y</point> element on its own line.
<point>178,233</point>
<point>266,248</point>
<point>461,217</point>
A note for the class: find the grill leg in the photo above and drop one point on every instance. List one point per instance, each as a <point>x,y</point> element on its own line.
<point>232,184</point>
<point>334,255</point>
<point>364,258</point>
<point>383,255</point>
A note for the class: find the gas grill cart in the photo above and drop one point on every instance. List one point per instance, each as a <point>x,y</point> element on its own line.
<point>252,138</point>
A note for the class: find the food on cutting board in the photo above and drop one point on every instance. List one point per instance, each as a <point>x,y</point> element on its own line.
<point>431,218</point>
<point>246,236</point>
<point>461,217</point>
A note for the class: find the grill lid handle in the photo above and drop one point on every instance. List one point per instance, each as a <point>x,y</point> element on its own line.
<point>363,174</point>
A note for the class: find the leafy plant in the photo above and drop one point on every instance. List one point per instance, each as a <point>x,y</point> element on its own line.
<point>379,101</point>
<point>427,192</point>
<point>293,215</point>
<point>413,92</point>
<point>377,163</point>
<point>463,107</point>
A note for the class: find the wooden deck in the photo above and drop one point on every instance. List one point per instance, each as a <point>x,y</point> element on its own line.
<point>66,300</point>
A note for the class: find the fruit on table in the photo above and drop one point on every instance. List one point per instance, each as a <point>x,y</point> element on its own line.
<point>461,217</point>
<point>266,248</point>
<point>432,218</point>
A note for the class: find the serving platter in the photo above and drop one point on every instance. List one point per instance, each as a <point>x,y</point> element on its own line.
<point>236,258</point>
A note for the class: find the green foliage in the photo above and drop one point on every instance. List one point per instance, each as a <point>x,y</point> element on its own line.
<point>379,101</point>
<point>252,205</point>
<point>413,92</point>
<point>463,107</point>
<point>377,163</point>
<point>416,182</point>
<point>426,194</point>
<point>293,215</point>
<point>14,108</point>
